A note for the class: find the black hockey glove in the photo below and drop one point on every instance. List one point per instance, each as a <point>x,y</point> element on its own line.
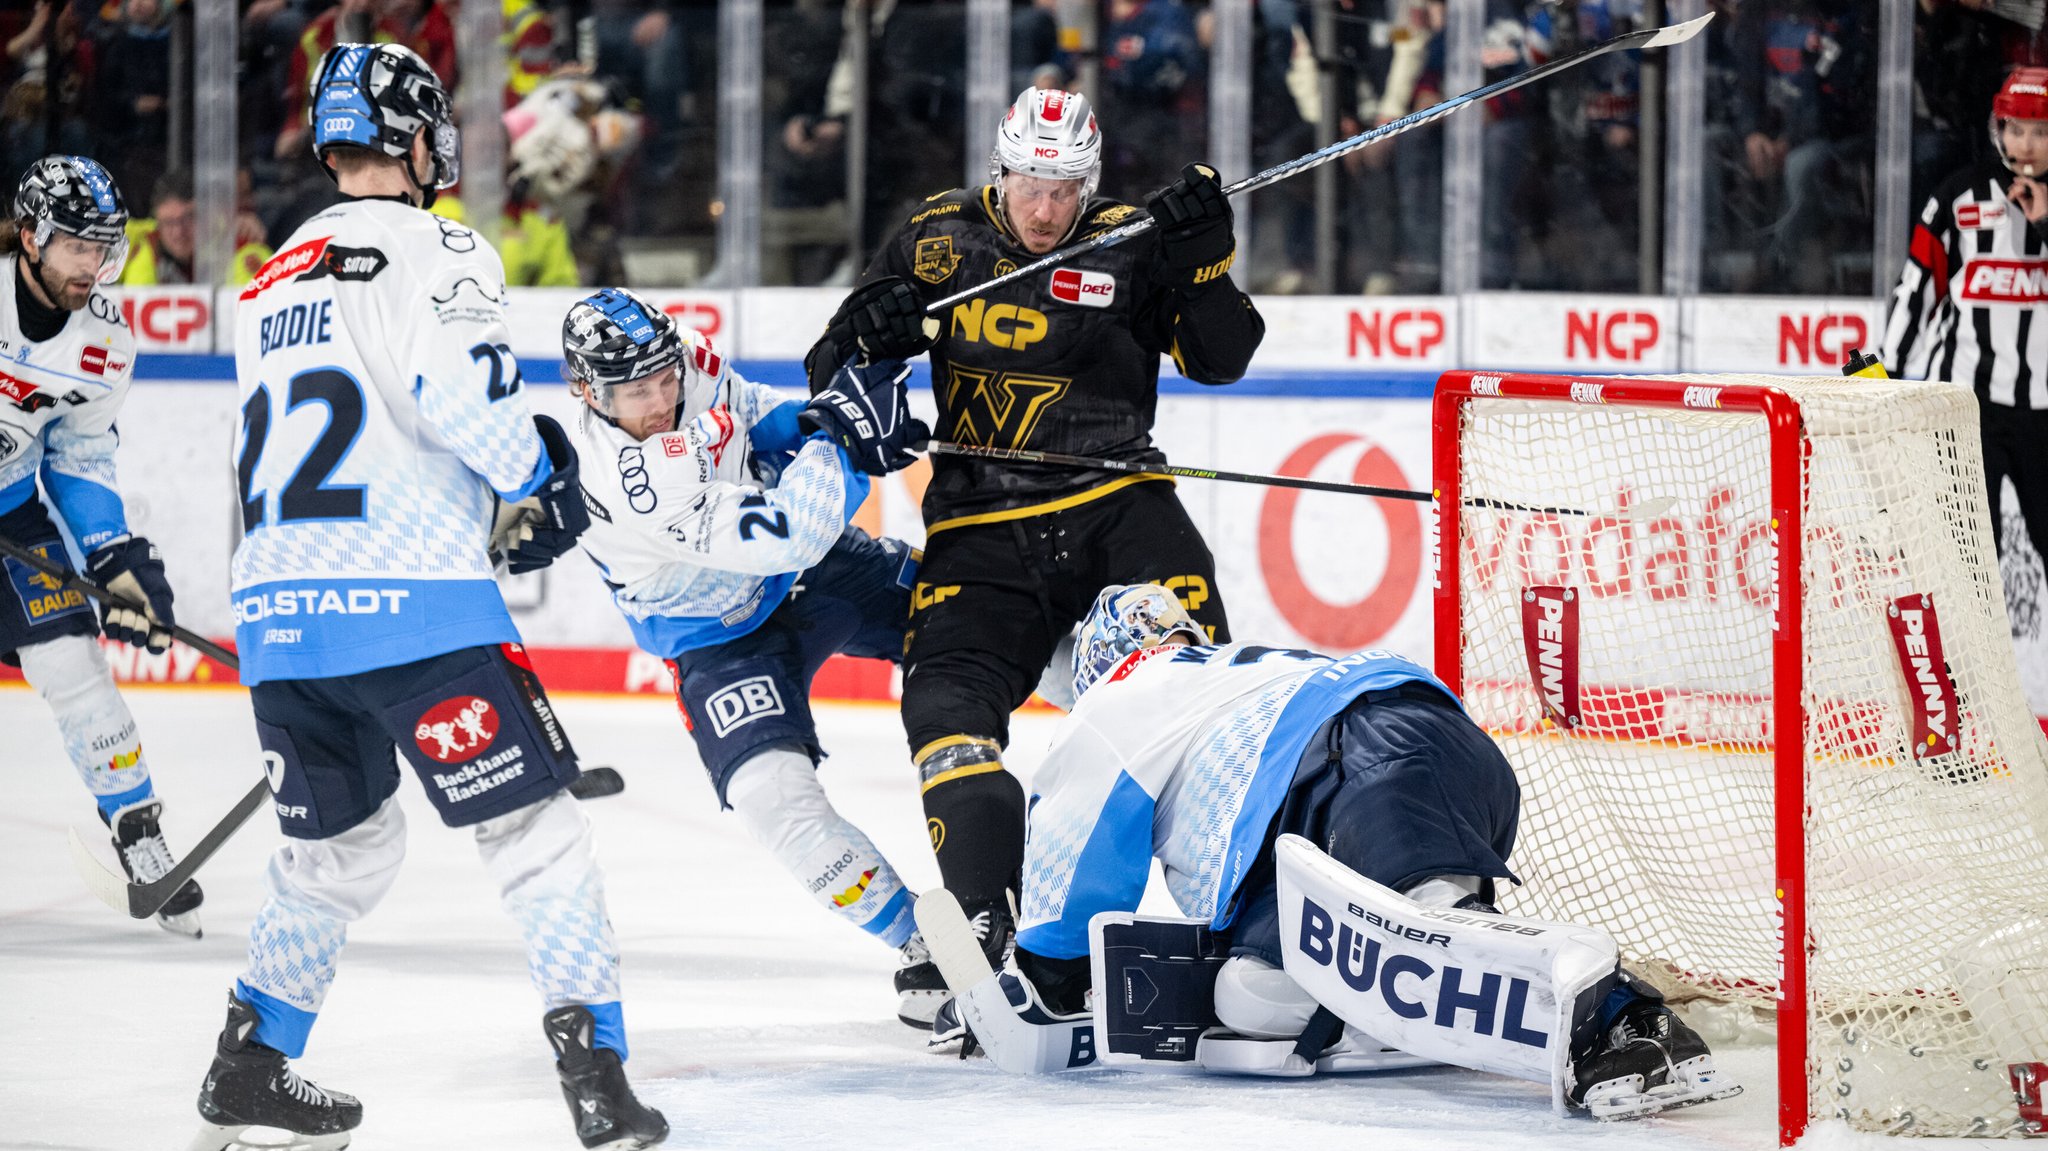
<point>131,568</point>
<point>884,320</point>
<point>1196,246</point>
<point>866,412</point>
<point>547,531</point>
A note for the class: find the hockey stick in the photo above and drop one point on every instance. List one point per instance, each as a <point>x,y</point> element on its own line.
<point>142,900</point>
<point>1647,38</point>
<point>1648,508</point>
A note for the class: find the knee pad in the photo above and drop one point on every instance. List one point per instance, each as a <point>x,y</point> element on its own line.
<point>542,858</point>
<point>540,849</point>
<point>343,876</point>
<point>1256,999</point>
<point>778,796</point>
<point>71,674</point>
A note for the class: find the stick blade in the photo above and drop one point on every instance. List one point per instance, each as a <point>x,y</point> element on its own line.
<point>108,886</point>
<point>1678,33</point>
<point>951,940</point>
<point>597,783</point>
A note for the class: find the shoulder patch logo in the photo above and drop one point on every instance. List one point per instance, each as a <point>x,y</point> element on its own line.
<point>1088,289</point>
<point>286,265</point>
<point>934,261</point>
<point>93,360</point>
<point>357,264</point>
<point>1113,215</point>
<point>1974,217</point>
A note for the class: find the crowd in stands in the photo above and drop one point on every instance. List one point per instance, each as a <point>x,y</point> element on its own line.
<point>612,130</point>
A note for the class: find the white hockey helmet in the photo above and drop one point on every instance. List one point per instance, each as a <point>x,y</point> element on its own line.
<point>1126,618</point>
<point>1050,134</point>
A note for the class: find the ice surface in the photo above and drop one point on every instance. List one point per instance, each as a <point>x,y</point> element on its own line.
<point>755,1021</point>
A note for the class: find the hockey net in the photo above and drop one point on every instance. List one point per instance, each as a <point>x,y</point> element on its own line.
<point>1744,640</point>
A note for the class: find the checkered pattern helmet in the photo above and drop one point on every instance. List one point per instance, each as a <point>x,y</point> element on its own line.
<point>2023,96</point>
<point>1126,618</point>
<point>74,195</point>
<point>614,337</point>
<point>1050,134</point>
<point>379,96</point>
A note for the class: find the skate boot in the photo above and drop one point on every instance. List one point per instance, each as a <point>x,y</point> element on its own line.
<point>250,1085</point>
<point>608,1116</point>
<point>919,986</point>
<point>140,842</point>
<point>996,931</point>
<point>1644,1060</point>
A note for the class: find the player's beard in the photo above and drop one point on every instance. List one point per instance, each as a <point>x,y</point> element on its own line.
<point>69,296</point>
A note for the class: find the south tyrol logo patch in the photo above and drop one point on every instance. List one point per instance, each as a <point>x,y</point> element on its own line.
<point>935,261</point>
<point>456,729</point>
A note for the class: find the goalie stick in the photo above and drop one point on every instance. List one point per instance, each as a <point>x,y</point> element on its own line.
<point>1647,38</point>
<point>142,900</point>
<point>1647,509</point>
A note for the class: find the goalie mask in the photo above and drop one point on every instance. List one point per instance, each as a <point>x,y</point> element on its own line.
<point>379,97</point>
<point>1049,134</point>
<point>2023,96</point>
<point>74,195</point>
<point>1126,618</point>
<point>625,354</point>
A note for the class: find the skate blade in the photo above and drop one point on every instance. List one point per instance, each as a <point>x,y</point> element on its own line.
<point>1669,1097</point>
<point>184,923</point>
<point>916,1008</point>
<point>250,1137</point>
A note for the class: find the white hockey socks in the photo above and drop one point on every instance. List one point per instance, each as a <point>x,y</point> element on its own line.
<point>778,794</point>
<point>72,676</point>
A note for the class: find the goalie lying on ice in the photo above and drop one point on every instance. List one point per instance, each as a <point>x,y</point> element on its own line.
<point>1335,827</point>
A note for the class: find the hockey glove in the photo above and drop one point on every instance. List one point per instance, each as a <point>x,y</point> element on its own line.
<point>132,569</point>
<point>1196,246</point>
<point>866,411</point>
<point>544,535</point>
<point>884,320</point>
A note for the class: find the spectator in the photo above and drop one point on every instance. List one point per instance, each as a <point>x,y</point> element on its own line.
<point>160,248</point>
<point>418,24</point>
<point>1584,227</point>
<point>529,44</point>
<point>1153,68</point>
<point>131,120</point>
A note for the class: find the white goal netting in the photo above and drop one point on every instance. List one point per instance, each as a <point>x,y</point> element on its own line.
<point>1619,606</point>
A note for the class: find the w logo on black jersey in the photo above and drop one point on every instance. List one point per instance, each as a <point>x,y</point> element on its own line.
<point>999,411</point>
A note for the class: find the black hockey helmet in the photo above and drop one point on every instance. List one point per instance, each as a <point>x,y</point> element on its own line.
<point>614,337</point>
<point>76,196</point>
<point>380,96</point>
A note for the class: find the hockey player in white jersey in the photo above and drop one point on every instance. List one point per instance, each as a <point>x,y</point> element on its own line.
<point>1207,757</point>
<point>383,420</point>
<point>721,522</point>
<point>65,362</point>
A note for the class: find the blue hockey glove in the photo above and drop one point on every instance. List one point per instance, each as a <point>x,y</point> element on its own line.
<point>866,411</point>
<point>132,569</point>
<point>549,530</point>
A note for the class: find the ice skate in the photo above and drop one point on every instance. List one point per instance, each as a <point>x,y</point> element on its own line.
<point>1646,1061</point>
<point>608,1116</point>
<point>251,1086</point>
<point>920,989</point>
<point>139,841</point>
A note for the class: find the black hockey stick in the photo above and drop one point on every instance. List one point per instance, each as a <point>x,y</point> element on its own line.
<point>142,900</point>
<point>1655,507</point>
<point>1647,38</point>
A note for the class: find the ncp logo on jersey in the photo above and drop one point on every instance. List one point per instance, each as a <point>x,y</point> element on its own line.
<point>741,703</point>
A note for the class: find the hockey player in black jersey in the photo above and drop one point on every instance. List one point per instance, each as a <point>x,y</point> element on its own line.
<point>1067,361</point>
<point>1968,306</point>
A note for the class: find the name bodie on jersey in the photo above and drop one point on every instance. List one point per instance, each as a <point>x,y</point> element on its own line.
<point>1066,360</point>
<point>694,547</point>
<point>1186,753</point>
<point>1968,306</point>
<point>58,400</point>
<point>382,417</point>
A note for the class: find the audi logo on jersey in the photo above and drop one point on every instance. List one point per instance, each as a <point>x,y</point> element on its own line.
<point>633,478</point>
<point>1089,289</point>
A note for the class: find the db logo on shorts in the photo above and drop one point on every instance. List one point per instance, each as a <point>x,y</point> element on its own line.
<point>742,703</point>
<point>456,729</point>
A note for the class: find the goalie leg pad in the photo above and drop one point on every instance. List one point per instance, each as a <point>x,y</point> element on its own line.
<point>1491,992</point>
<point>1155,986</point>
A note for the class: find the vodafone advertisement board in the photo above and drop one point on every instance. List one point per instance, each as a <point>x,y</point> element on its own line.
<point>1783,335</point>
<point>1547,332</point>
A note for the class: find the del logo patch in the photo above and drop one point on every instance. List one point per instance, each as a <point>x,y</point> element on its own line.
<point>934,261</point>
<point>456,729</point>
<point>1089,289</point>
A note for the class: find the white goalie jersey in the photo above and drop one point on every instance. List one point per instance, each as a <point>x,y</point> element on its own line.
<point>381,409</point>
<point>58,400</point>
<point>1181,752</point>
<point>695,548</point>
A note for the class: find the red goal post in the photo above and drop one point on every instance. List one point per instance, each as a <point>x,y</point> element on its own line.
<point>1640,585</point>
